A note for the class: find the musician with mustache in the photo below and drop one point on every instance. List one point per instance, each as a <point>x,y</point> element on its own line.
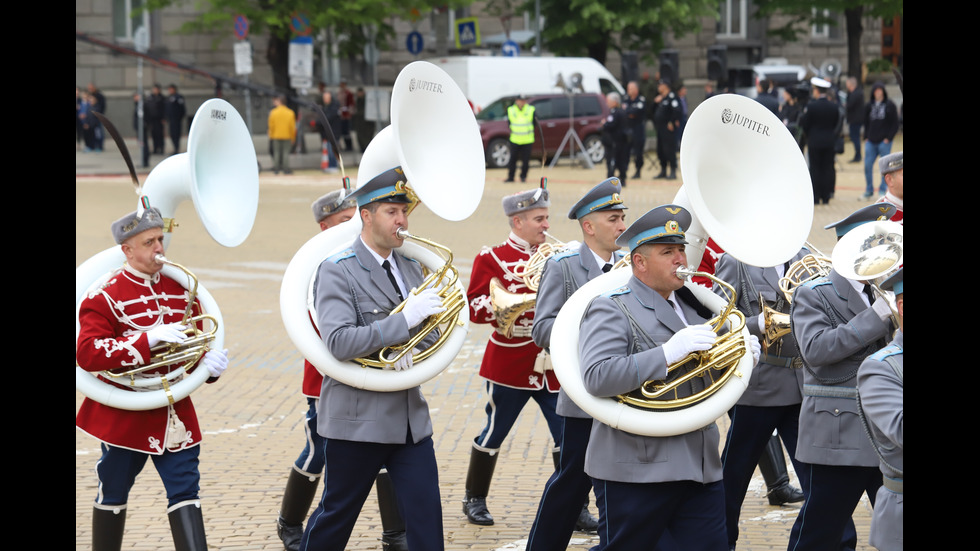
<point>355,292</point>
<point>120,323</point>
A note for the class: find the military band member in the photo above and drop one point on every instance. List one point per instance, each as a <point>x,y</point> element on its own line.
<point>516,370</point>
<point>882,391</point>
<point>137,309</point>
<point>647,486</point>
<point>892,168</point>
<point>365,430</point>
<point>304,476</point>
<point>601,215</point>
<point>772,400</point>
<point>837,323</point>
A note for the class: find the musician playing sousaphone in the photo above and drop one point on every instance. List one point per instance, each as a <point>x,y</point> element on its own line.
<point>356,291</point>
<point>649,486</point>
<point>137,309</point>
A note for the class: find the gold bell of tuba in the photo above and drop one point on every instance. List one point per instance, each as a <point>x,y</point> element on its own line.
<point>507,306</point>
<point>811,267</point>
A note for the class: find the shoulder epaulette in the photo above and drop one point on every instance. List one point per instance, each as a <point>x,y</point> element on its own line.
<point>890,350</point>
<point>616,292</point>
<point>565,254</point>
<point>346,253</point>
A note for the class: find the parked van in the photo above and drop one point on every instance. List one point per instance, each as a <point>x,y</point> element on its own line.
<point>485,79</point>
<point>742,80</point>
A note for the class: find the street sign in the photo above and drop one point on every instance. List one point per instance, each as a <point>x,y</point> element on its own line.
<point>299,23</point>
<point>243,58</point>
<point>510,49</point>
<point>241,27</point>
<point>414,42</point>
<point>467,32</point>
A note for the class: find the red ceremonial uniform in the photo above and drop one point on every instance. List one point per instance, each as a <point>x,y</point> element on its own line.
<point>506,361</point>
<point>312,378</point>
<point>899,215</point>
<point>114,320</point>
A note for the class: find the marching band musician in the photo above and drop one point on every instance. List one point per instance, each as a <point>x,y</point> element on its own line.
<point>882,392</point>
<point>647,486</point>
<point>514,367</point>
<point>304,476</point>
<point>600,214</point>
<point>120,323</point>
<point>837,323</point>
<point>892,168</point>
<point>365,430</point>
<point>771,402</point>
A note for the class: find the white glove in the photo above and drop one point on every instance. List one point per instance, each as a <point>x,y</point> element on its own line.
<point>419,307</point>
<point>693,338</point>
<point>756,348</point>
<point>171,332</point>
<point>573,245</point>
<point>405,362</point>
<point>882,308</point>
<point>761,319</point>
<point>216,361</point>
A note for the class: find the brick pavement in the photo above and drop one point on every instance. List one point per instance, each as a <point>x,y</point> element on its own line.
<point>252,416</point>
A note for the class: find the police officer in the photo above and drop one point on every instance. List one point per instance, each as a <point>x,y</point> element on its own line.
<point>635,106</point>
<point>881,390</point>
<point>837,323</point>
<point>646,485</point>
<point>616,137</point>
<point>601,215</point>
<point>520,116</point>
<point>667,122</point>
<point>356,291</point>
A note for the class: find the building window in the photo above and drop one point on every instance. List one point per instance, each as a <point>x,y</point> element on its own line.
<point>127,18</point>
<point>827,25</point>
<point>731,19</point>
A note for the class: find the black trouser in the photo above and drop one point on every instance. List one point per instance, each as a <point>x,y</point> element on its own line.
<point>524,152</point>
<point>666,147</point>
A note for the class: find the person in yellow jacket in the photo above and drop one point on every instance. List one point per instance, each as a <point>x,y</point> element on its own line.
<point>521,119</point>
<point>282,134</point>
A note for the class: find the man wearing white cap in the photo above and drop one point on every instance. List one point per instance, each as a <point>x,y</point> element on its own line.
<point>820,121</point>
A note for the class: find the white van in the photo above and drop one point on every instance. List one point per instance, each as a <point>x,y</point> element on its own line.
<point>484,79</point>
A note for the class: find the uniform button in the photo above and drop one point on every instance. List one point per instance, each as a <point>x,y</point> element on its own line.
<point>836,410</point>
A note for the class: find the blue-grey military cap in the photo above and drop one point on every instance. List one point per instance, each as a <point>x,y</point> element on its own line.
<point>526,200</point>
<point>870,213</point>
<point>891,163</point>
<point>894,282</point>
<point>134,223</point>
<point>663,224</point>
<point>604,196</point>
<point>387,187</point>
<point>331,203</point>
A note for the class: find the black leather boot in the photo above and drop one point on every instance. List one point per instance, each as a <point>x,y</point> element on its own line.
<point>108,523</point>
<point>296,501</point>
<point>392,523</point>
<point>187,526</point>
<point>772,464</point>
<point>478,477</point>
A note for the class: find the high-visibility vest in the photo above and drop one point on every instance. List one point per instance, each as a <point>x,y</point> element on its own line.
<point>521,124</point>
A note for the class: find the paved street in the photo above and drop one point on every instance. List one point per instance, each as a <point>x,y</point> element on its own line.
<point>252,416</point>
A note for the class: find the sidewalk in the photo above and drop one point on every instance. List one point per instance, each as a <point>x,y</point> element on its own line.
<point>252,417</point>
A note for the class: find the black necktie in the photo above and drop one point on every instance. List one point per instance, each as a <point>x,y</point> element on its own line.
<point>870,294</point>
<point>606,268</point>
<point>391,277</point>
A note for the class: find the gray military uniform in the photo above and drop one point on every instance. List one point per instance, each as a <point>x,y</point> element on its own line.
<point>612,366</point>
<point>563,275</point>
<point>880,381</point>
<point>353,299</point>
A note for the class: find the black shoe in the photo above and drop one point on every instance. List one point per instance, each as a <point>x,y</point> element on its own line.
<point>661,176</point>
<point>586,522</point>
<point>476,510</point>
<point>509,181</point>
<point>291,535</point>
<point>855,160</point>
<point>784,494</point>
<point>394,541</point>
<point>636,175</point>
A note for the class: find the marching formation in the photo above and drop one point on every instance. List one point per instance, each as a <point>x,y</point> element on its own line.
<point>630,351</point>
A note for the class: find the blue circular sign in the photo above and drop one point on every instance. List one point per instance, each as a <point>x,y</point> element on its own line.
<point>241,27</point>
<point>510,49</point>
<point>414,42</point>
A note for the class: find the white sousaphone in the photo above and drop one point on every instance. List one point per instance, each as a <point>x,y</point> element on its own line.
<point>435,139</point>
<point>219,174</point>
<point>746,185</point>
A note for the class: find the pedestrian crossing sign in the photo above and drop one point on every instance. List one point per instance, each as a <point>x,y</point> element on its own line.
<point>467,32</point>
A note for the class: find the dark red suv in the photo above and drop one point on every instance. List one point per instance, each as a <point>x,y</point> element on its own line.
<point>555,116</point>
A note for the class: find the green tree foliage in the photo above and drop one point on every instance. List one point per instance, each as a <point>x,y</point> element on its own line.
<point>592,27</point>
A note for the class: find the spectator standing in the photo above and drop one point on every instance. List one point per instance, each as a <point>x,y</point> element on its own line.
<point>282,134</point>
<point>854,107</point>
<point>332,112</point>
<point>880,127</point>
<point>98,105</point>
<point>347,106</point>
<point>363,128</point>
<point>153,113</point>
<point>174,111</point>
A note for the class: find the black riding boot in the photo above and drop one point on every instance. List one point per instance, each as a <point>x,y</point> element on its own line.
<point>187,526</point>
<point>392,523</point>
<point>296,502</point>
<point>773,467</point>
<point>478,477</point>
<point>108,522</point>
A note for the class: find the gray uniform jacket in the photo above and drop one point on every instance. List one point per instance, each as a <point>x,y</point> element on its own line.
<point>610,368</point>
<point>563,275</point>
<point>774,382</point>
<point>882,398</point>
<point>836,331</point>
<point>349,283</point>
